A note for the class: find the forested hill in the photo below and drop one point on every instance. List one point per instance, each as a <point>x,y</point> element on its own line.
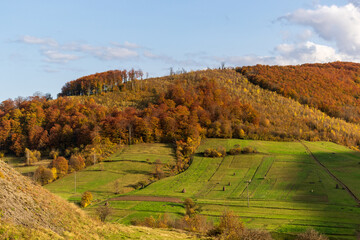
<point>334,88</point>
<point>181,109</point>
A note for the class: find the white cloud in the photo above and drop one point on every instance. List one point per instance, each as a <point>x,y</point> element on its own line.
<point>63,53</point>
<point>111,53</point>
<point>355,2</point>
<point>58,57</point>
<point>306,52</point>
<point>153,56</point>
<point>340,24</point>
<point>189,61</point>
<point>292,54</point>
<point>40,41</point>
<point>130,45</point>
<point>333,24</point>
<point>102,52</point>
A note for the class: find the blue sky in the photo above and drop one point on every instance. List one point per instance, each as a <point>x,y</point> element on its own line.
<point>44,44</point>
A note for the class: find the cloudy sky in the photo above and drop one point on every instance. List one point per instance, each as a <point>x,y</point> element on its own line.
<point>44,44</point>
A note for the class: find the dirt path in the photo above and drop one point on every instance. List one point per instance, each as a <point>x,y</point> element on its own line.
<point>147,199</point>
<point>332,175</point>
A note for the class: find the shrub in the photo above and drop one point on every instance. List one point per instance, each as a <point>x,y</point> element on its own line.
<point>76,162</point>
<point>230,227</point>
<point>222,151</point>
<point>140,184</point>
<point>248,150</point>
<point>32,157</point>
<point>235,151</point>
<point>37,155</point>
<point>191,207</point>
<point>54,154</point>
<point>61,165</point>
<point>163,221</point>
<point>311,234</point>
<point>230,224</point>
<point>255,234</point>
<point>86,199</point>
<point>211,152</point>
<point>158,171</point>
<point>196,223</point>
<point>103,212</point>
<point>43,175</point>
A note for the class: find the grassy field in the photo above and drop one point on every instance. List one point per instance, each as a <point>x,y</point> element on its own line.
<point>18,163</point>
<point>130,165</point>
<point>288,193</point>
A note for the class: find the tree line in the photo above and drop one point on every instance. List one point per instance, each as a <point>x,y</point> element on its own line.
<point>98,83</point>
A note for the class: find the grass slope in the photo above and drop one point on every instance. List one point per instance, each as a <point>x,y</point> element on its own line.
<point>289,191</point>
<point>130,165</point>
<point>28,211</point>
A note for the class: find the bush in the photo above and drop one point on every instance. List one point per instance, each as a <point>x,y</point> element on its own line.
<point>235,151</point>
<point>211,152</point>
<point>32,157</point>
<point>191,207</point>
<point>43,175</point>
<point>103,212</point>
<point>248,150</point>
<point>255,234</point>
<point>158,171</point>
<point>76,162</point>
<point>163,221</point>
<point>54,154</point>
<point>311,234</point>
<point>86,199</point>
<point>61,165</point>
<point>196,223</point>
<point>222,151</point>
<point>230,227</point>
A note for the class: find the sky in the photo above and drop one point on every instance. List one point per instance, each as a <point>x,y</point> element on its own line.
<point>44,44</point>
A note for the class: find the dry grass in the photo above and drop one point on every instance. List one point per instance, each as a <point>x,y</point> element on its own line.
<point>27,211</point>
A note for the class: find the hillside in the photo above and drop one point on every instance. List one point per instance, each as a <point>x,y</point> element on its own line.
<point>30,212</point>
<point>280,118</point>
<point>98,115</point>
<point>289,191</point>
<point>171,109</point>
<point>333,88</point>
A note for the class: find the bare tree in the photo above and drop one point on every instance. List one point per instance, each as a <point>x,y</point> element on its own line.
<point>103,212</point>
<point>222,65</point>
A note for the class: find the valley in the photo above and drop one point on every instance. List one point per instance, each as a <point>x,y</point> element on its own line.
<point>288,193</point>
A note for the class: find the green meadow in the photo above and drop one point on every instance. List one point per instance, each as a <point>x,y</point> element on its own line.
<point>131,165</point>
<point>288,190</point>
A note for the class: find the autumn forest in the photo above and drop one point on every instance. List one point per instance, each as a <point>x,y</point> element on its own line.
<point>94,114</point>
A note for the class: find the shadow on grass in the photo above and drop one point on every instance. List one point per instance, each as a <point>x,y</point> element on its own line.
<point>133,171</point>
